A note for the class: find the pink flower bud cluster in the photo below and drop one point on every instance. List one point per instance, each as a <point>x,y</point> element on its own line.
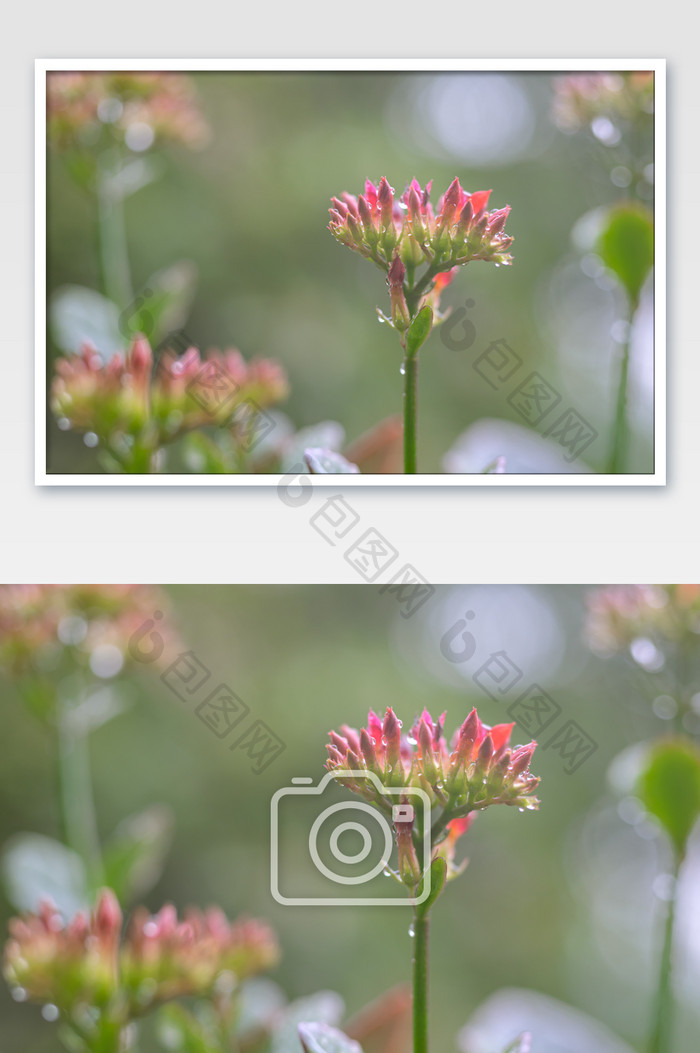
<point>87,963</point>
<point>382,227</point>
<point>618,615</point>
<point>126,397</point>
<point>582,97</point>
<point>478,769</point>
<point>131,107</point>
<point>41,623</point>
<point>164,957</point>
<point>49,961</point>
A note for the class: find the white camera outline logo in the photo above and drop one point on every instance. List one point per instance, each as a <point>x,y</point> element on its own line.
<point>304,787</point>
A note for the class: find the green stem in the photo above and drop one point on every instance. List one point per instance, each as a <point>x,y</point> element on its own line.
<point>618,452</point>
<point>660,1040</point>
<point>111,227</point>
<point>75,794</point>
<point>410,413</point>
<point>421,934</point>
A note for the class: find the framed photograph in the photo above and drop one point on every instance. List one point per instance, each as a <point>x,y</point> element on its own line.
<point>441,272</point>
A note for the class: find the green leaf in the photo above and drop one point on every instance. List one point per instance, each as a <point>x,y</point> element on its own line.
<point>328,462</point>
<point>669,788</point>
<point>35,867</point>
<point>163,305</point>
<point>134,856</point>
<point>419,330</point>
<point>325,1007</point>
<point>320,1038</point>
<point>626,246</point>
<point>78,315</point>
<point>203,456</point>
<point>182,1030</point>
<point>438,877</point>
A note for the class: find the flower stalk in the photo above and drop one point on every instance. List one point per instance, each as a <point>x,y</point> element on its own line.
<point>401,235</point>
<point>476,770</point>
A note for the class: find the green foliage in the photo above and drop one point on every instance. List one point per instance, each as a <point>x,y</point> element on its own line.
<point>134,857</point>
<point>419,330</point>
<point>163,304</point>
<point>669,788</point>
<point>438,877</point>
<point>626,246</point>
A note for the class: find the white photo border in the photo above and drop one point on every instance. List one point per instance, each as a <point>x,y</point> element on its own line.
<point>655,478</point>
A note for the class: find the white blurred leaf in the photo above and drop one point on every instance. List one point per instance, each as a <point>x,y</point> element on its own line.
<point>35,867</point>
<point>554,1026</point>
<point>325,1007</point>
<point>525,451</point>
<point>78,315</point>
<point>328,435</point>
<point>259,1001</point>
<point>328,462</point>
<point>319,1038</point>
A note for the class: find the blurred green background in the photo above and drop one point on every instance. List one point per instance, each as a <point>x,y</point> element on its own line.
<point>249,211</point>
<point>558,900</point>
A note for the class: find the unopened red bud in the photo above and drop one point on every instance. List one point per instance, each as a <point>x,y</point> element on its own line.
<point>339,206</point>
<point>397,273</point>
<point>466,216</point>
<point>425,741</point>
<point>450,203</point>
<point>385,200</point>
<point>351,203</point>
<point>108,915</point>
<point>521,758</point>
<point>352,737</point>
<point>392,734</point>
<point>334,755</point>
<point>467,735</point>
<point>368,750</point>
<point>485,752</point>
<point>353,761</point>
<point>498,220</point>
<point>340,743</point>
<point>365,212</point>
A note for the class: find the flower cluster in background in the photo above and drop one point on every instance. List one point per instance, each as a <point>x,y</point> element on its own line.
<point>130,407</point>
<point>136,109</point>
<point>584,98</point>
<point>85,962</point>
<point>40,625</point>
<point>619,615</point>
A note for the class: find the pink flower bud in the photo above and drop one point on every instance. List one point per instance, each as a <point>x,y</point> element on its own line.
<point>450,204</point>
<point>368,750</point>
<point>108,915</point>
<point>385,201</point>
<point>391,730</point>
<point>365,212</point>
<point>521,757</point>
